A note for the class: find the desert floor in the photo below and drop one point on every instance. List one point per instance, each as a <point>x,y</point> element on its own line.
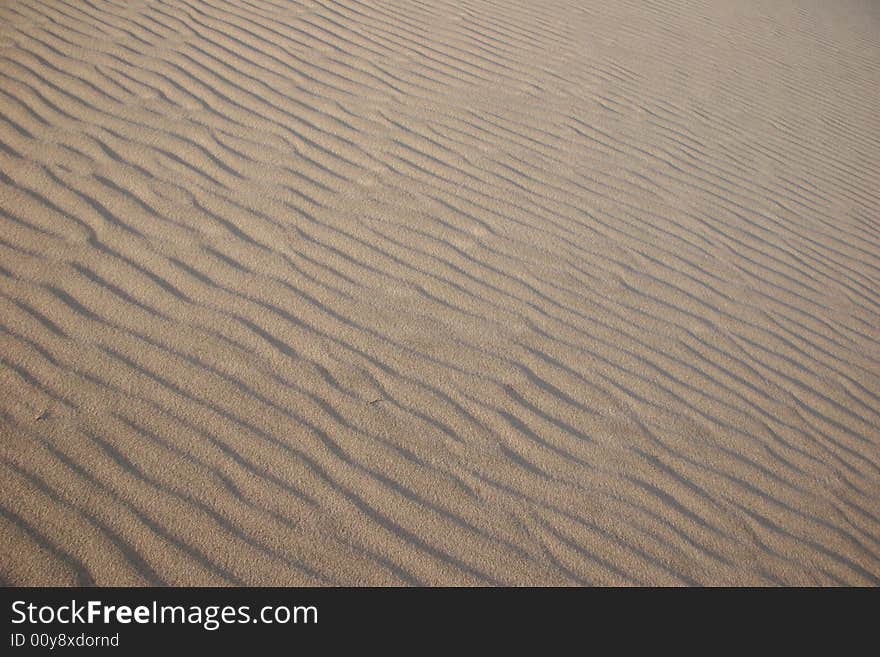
<point>476,292</point>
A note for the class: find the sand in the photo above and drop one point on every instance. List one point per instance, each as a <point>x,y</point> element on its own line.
<point>356,292</point>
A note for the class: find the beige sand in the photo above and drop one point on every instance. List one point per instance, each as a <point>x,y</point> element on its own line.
<point>477,292</point>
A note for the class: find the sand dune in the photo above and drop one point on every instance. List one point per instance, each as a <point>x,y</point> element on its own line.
<point>477,292</point>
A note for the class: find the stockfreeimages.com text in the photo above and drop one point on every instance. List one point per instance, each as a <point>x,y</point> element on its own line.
<point>210,617</point>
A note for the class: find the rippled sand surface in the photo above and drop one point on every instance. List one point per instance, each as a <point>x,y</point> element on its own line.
<point>473,292</point>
